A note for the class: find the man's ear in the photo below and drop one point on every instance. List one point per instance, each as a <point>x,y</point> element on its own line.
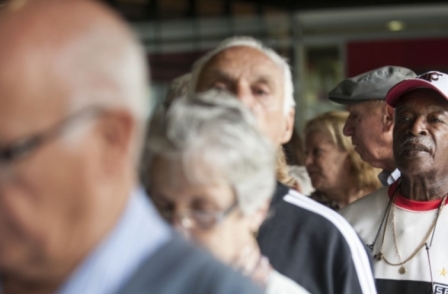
<point>288,126</point>
<point>388,117</point>
<point>117,129</point>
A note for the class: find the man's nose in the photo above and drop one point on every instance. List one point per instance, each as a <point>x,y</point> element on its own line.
<point>244,94</point>
<point>348,128</point>
<point>418,127</point>
<point>308,159</point>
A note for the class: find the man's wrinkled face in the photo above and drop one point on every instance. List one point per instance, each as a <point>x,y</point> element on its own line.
<point>45,195</point>
<point>256,80</point>
<point>365,127</point>
<point>421,134</point>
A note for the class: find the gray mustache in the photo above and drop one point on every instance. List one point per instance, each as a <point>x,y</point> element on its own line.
<point>416,143</point>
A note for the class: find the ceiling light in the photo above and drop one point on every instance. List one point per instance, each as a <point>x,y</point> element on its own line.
<point>395,25</point>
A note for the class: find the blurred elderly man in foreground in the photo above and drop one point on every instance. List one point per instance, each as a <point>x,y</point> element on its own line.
<point>405,223</point>
<point>72,114</point>
<point>302,239</point>
<point>371,120</point>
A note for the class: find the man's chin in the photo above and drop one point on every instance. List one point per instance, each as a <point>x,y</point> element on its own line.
<point>14,260</point>
<point>360,151</point>
<point>365,156</point>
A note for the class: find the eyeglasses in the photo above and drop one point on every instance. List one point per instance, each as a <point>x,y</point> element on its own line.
<point>22,148</point>
<point>197,219</point>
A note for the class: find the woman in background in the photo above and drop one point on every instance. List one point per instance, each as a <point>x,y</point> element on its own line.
<point>295,159</point>
<point>337,172</point>
<point>211,175</point>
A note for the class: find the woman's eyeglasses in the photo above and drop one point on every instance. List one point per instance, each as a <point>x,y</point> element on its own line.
<point>196,219</point>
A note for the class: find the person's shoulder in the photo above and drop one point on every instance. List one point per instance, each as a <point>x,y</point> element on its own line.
<point>365,215</point>
<point>369,199</point>
<point>180,267</point>
<point>369,206</point>
<point>296,211</point>
<point>322,214</point>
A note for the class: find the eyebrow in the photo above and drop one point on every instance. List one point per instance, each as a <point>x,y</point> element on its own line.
<point>434,109</point>
<point>220,75</point>
<point>265,79</point>
<point>215,73</point>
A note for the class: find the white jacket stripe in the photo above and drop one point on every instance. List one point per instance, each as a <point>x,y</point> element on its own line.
<point>359,254</point>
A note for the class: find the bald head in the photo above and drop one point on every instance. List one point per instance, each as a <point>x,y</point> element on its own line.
<point>81,43</point>
<point>59,60</point>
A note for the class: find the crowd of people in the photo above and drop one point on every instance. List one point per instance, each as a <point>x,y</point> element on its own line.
<point>208,193</point>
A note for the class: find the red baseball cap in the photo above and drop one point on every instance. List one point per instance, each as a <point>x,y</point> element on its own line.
<point>434,80</point>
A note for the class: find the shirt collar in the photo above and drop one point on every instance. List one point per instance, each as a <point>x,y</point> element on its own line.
<point>138,233</point>
<point>408,204</point>
<point>394,176</point>
<point>386,178</point>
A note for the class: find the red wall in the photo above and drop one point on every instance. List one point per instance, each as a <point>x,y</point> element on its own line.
<point>419,55</point>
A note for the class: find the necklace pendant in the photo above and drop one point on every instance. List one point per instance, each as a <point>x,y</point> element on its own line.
<point>402,270</point>
<point>379,256</point>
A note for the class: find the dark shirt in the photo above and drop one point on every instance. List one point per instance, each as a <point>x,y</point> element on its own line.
<point>314,246</point>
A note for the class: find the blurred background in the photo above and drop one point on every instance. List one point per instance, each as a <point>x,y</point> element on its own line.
<point>325,41</point>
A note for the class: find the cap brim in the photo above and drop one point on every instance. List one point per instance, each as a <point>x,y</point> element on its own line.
<point>343,101</point>
<point>397,92</point>
<point>350,101</point>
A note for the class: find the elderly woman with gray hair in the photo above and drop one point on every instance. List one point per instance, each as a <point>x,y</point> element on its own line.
<point>211,175</point>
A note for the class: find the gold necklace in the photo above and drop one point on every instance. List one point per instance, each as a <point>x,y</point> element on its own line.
<point>381,256</point>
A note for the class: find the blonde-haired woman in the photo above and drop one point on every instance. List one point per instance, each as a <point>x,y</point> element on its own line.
<point>337,172</point>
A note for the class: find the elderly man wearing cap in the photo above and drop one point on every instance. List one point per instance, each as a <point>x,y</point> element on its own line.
<point>303,240</point>
<point>371,120</point>
<point>405,224</point>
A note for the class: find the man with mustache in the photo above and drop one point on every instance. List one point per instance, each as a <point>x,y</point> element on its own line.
<point>405,224</point>
<point>371,120</point>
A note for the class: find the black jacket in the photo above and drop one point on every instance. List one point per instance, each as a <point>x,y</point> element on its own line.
<point>314,246</point>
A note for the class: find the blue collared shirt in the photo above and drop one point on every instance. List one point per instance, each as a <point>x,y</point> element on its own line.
<point>138,233</point>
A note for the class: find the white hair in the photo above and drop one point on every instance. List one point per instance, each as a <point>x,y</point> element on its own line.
<point>178,88</point>
<point>116,78</point>
<point>288,87</point>
<point>216,138</point>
